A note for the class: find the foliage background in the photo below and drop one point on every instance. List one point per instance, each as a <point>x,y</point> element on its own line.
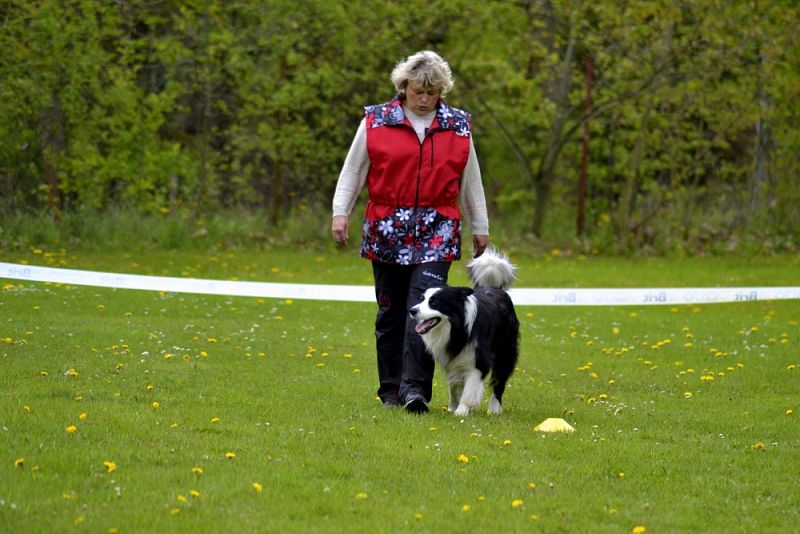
<point>683,114</point>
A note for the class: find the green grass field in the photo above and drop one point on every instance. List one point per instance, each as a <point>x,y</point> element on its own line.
<point>127,411</point>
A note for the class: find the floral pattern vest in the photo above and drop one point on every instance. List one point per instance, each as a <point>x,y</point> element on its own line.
<point>412,215</point>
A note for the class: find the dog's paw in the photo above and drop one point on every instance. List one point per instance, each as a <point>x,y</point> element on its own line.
<point>495,408</point>
<point>461,410</point>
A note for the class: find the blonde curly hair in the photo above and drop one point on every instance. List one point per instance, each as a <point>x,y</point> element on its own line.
<point>426,68</point>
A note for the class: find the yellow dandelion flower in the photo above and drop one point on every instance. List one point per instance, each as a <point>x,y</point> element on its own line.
<point>230,455</point>
<point>507,442</point>
<point>418,516</point>
<point>257,487</point>
<point>463,458</point>
<point>757,446</point>
<point>71,429</point>
<point>517,503</point>
<point>110,466</point>
<point>638,529</point>
<point>687,394</point>
<point>194,493</point>
<point>181,498</point>
<point>175,511</point>
<point>156,404</point>
<point>361,496</point>
<point>19,462</point>
<point>481,498</point>
<point>466,508</point>
<point>83,416</point>
<point>621,474</point>
<point>789,411</point>
<point>531,485</point>
<point>197,470</point>
<point>149,387</point>
<point>214,420</point>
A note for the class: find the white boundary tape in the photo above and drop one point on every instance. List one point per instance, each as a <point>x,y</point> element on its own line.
<point>352,293</point>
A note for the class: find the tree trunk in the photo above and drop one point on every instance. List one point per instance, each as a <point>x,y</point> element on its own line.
<point>54,142</point>
<point>582,180</point>
<point>546,175</point>
<point>623,220</point>
<point>761,154</point>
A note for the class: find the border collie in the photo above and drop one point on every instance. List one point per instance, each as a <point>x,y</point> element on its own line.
<point>471,332</point>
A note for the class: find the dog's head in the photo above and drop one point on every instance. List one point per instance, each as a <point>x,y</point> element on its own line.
<point>442,309</point>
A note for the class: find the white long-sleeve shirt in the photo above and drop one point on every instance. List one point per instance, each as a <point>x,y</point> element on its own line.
<point>356,167</point>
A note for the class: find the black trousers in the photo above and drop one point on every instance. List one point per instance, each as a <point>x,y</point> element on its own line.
<point>404,365</point>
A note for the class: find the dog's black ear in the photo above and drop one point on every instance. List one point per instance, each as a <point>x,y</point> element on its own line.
<point>465,292</point>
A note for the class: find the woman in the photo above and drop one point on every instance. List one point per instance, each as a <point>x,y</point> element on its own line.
<point>416,156</point>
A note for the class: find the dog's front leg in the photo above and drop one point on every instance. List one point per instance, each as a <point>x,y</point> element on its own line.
<point>456,389</point>
<point>472,395</point>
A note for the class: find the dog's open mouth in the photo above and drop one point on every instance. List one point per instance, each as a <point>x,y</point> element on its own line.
<point>424,327</point>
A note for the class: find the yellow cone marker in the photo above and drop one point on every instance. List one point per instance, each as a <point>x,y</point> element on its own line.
<point>554,424</point>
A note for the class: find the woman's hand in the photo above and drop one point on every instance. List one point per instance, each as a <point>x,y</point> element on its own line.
<point>339,229</point>
<point>479,244</point>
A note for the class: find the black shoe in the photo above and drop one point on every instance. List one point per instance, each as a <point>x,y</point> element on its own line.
<point>391,400</point>
<point>415,403</point>
<point>391,403</point>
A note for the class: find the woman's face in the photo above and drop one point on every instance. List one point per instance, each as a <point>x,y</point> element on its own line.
<point>421,100</point>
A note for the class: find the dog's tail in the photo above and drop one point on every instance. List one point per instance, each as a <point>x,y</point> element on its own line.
<point>492,269</point>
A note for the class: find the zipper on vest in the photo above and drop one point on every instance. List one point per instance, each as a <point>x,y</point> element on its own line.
<point>428,135</point>
<point>416,194</point>
<point>432,152</point>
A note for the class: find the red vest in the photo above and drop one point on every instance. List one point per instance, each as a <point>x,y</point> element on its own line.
<point>412,215</point>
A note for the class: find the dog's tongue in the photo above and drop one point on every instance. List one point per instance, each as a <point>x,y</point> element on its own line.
<point>424,326</point>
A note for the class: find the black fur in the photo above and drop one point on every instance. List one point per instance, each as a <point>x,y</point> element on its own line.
<point>494,333</point>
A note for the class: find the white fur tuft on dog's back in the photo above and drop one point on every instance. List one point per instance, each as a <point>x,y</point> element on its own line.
<point>492,269</point>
